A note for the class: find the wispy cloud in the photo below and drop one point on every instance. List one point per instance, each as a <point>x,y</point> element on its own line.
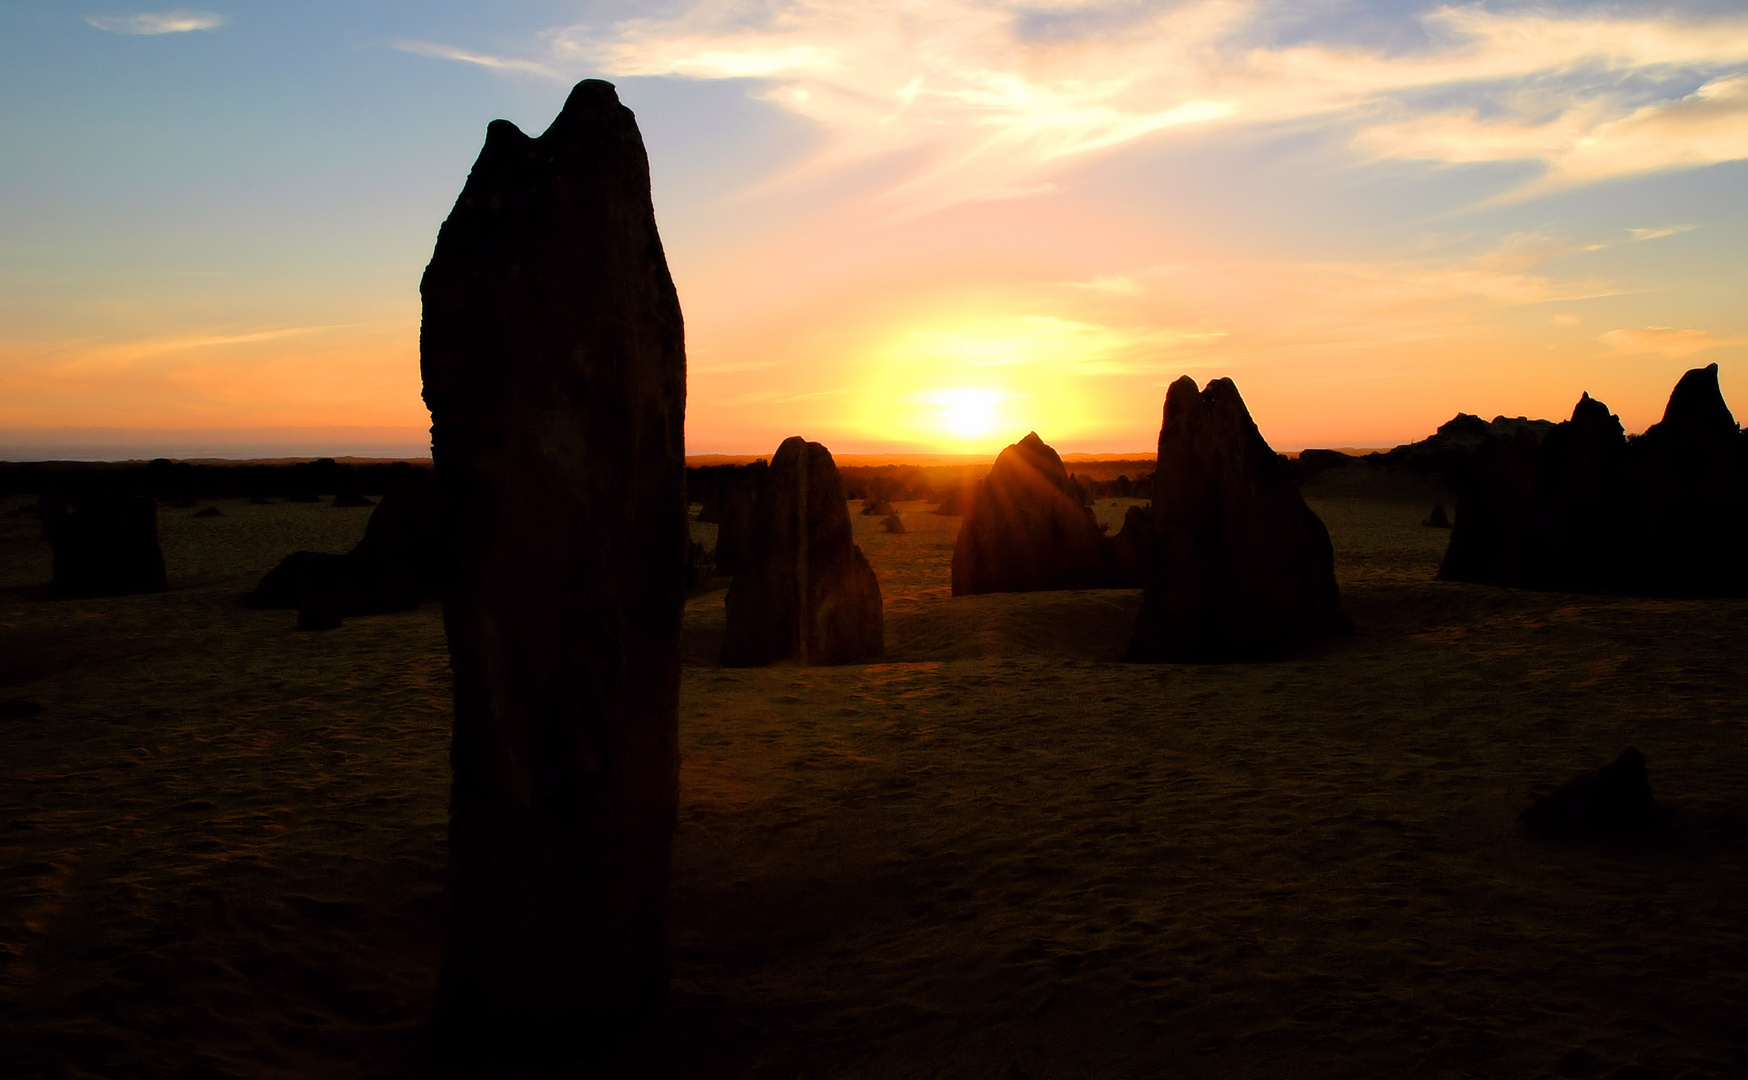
<point>1659,233</point>
<point>1669,342</point>
<point>1590,140</point>
<point>161,22</point>
<point>994,106</point>
<point>486,60</point>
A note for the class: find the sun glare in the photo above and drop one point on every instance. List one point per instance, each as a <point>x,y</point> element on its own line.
<point>974,384</point>
<point>966,413</point>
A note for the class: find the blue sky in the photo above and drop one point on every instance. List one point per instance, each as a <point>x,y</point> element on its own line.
<point>894,224</point>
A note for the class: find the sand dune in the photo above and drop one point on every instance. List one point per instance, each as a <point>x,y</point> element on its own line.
<point>999,852</point>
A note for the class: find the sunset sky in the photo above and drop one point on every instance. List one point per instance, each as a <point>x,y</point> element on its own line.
<point>895,225</point>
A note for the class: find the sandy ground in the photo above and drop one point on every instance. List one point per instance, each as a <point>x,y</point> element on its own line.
<point>999,853</point>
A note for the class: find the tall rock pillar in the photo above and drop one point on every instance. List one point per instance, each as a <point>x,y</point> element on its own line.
<point>1241,566</point>
<point>554,363</point>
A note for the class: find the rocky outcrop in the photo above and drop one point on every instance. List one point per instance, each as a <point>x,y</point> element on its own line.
<point>1449,449</point>
<point>1028,528</point>
<point>1613,800</point>
<point>104,544</point>
<point>554,367</point>
<point>1488,539</point>
<point>1132,549</point>
<point>1587,509</point>
<point>1240,566</point>
<point>804,591</point>
<point>729,504</point>
<point>1691,485</point>
<point>400,563</point>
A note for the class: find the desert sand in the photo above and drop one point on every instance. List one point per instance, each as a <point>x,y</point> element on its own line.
<point>998,852</point>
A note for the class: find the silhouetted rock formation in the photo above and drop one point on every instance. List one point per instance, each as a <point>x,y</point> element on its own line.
<point>1028,528</point>
<point>700,568</point>
<point>729,503</point>
<point>1449,449</point>
<point>1614,799</point>
<point>352,498</point>
<point>1240,565</point>
<point>1438,519</point>
<point>1587,509</point>
<point>804,591</point>
<point>876,508</point>
<point>104,544</point>
<point>1311,463</point>
<point>554,363</point>
<point>894,524</point>
<point>956,502</point>
<point>400,562</point>
<point>1132,549</point>
<point>1692,487</point>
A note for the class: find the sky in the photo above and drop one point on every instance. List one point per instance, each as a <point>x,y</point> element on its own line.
<point>895,225</point>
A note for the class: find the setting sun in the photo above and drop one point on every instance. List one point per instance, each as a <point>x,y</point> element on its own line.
<point>967,414</point>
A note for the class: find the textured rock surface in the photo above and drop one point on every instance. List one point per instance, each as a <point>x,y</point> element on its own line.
<point>104,545</point>
<point>1587,509</point>
<point>1614,799</point>
<point>1241,566</point>
<point>804,591</point>
<point>554,363</point>
<point>1028,528</point>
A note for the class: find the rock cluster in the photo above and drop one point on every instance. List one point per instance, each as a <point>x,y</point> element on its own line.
<point>803,590</point>
<point>553,356</point>
<point>1240,565</point>
<point>1587,509</point>
<point>1028,528</point>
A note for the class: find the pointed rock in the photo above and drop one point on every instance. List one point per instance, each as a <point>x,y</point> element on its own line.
<point>553,357</point>
<point>1241,566</point>
<point>804,590</point>
<point>1028,528</point>
<point>1695,516</point>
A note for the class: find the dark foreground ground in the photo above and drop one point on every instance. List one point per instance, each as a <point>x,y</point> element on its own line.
<point>1000,853</point>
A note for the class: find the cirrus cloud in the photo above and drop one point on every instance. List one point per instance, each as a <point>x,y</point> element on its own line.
<point>1669,342</point>
<point>162,22</point>
<point>1000,96</point>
